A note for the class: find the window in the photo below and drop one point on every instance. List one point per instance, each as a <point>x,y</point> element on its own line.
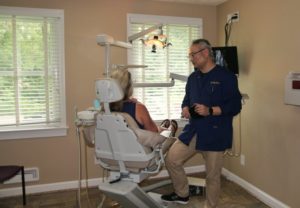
<point>162,102</point>
<point>31,73</point>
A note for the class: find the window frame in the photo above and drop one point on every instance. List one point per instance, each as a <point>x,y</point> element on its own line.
<point>41,130</point>
<point>156,19</point>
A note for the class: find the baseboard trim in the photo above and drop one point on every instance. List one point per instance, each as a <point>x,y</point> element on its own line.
<point>263,196</point>
<point>94,182</point>
<point>32,189</point>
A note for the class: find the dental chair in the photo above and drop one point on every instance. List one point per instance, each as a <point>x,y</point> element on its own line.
<point>130,154</point>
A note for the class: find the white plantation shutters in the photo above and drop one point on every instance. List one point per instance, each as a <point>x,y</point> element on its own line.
<point>31,68</point>
<point>164,102</point>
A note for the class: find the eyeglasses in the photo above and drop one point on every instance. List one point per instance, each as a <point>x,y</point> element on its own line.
<point>192,54</point>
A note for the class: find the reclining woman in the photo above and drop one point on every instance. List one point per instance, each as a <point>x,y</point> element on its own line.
<point>135,109</point>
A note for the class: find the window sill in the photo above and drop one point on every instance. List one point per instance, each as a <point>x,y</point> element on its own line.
<point>32,132</point>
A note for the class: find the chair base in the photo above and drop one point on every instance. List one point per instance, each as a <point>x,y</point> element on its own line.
<point>129,194</point>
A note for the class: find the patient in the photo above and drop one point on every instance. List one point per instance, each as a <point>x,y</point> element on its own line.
<point>135,109</point>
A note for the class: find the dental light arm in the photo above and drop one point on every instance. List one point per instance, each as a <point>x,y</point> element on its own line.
<point>173,76</point>
<point>159,84</point>
<point>104,40</point>
<point>107,41</point>
<point>121,66</point>
<point>178,77</point>
<point>144,32</point>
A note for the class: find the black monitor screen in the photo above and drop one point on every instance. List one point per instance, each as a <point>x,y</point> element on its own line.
<point>227,57</point>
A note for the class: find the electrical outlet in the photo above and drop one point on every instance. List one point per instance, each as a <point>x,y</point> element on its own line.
<point>234,16</point>
<point>243,160</point>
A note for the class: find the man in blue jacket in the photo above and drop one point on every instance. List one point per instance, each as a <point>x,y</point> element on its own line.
<point>211,101</point>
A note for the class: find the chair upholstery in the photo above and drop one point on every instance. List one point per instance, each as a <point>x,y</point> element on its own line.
<point>9,171</point>
<point>120,145</point>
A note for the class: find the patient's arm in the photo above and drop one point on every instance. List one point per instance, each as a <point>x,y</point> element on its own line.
<point>143,116</point>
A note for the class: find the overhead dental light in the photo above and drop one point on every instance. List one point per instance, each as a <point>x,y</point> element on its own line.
<point>159,41</point>
<point>155,40</point>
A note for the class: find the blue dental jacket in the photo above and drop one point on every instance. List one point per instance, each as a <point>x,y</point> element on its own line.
<point>218,87</point>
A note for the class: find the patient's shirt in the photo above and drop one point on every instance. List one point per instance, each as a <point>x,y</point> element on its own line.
<point>129,107</point>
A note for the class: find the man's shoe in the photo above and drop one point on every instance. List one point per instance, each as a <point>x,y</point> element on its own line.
<point>196,190</point>
<point>173,197</point>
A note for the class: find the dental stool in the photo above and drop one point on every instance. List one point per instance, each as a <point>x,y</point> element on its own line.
<point>129,153</point>
<point>9,171</point>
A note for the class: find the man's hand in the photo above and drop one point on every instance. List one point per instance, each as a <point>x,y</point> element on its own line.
<point>185,112</point>
<point>201,109</point>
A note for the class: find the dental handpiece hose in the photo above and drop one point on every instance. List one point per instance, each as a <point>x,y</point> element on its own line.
<point>79,170</point>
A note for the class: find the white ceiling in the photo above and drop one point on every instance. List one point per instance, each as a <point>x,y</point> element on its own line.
<point>203,2</point>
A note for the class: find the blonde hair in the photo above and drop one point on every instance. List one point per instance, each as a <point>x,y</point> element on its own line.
<point>123,76</point>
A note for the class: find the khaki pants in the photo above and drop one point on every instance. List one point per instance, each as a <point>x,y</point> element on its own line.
<point>178,154</point>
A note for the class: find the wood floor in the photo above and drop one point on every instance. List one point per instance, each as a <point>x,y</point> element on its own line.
<point>232,196</point>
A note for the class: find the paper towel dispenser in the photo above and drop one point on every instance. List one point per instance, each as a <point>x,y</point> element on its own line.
<point>292,88</point>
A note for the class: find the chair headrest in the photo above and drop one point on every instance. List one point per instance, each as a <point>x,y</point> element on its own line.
<point>108,90</point>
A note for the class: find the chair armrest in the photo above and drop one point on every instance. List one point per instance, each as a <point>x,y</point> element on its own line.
<point>159,160</point>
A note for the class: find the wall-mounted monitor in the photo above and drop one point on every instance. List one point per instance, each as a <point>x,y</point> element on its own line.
<point>227,57</point>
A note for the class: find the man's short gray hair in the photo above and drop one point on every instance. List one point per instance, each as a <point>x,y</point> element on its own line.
<point>206,44</point>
